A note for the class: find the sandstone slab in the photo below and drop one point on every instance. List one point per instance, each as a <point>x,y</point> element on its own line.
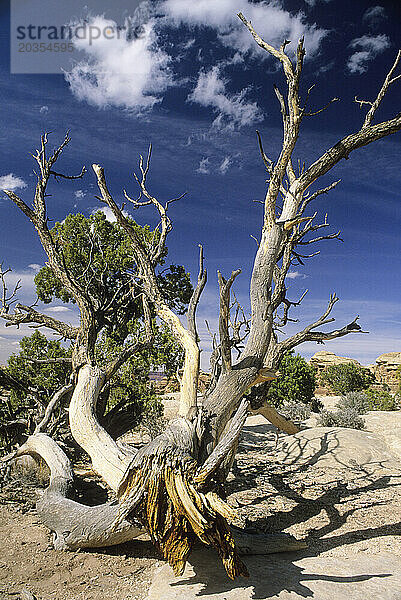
<point>338,448</point>
<point>283,578</point>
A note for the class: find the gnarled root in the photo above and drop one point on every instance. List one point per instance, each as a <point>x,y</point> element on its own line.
<point>164,490</point>
<point>74,525</point>
<point>176,512</point>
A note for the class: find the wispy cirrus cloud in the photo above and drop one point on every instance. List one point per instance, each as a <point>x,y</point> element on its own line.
<point>314,2</point>
<point>231,110</point>
<point>204,166</point>
<point>367,48</point>
<point>374,16</point>
<point>223,168</point>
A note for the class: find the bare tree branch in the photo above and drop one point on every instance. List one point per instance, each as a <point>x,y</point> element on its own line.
<point>309,335</point>
<point>165,221</point>
<point>63,176</point>
<point>57,397</point>
<point>383,90</point>
<point>193,303</point>
<point>28,315</point>
<point>86,336</point>
<point>189,382</point>
<point>343,149</point>
<point>225,342</point>
<point>317,112</point>
<point>292,116</point>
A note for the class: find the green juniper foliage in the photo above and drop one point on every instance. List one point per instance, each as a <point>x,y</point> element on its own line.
<point>31,386</point>
<point>97,254</point>
<point>347,377</point>
<point>46,378</point>
<point>296,384</point>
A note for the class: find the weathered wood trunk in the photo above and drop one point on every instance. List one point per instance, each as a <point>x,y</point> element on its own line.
<point>108,459</point>
<point>74,525</point>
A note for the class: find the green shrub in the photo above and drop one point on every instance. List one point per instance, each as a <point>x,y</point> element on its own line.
<point>347,377</point>
<point>347,417</point>
<point>382,400</point>
<point>296,383</point>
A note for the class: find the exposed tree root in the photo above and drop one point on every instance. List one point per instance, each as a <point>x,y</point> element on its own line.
<point>176,512</point>
<point>159,494</point>
<point>74,525</point>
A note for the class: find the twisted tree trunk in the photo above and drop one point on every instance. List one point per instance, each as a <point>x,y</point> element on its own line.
<point>74,525</point>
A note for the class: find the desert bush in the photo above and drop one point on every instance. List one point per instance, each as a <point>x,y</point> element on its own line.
<point>347,417</point>
<point>296,383</point>
<point>380,399</point>
<point>370,399</point>
<point>347,377</point>
<point>358,401</point>
<point>295,411</point>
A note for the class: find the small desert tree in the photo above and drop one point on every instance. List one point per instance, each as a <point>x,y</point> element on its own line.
<point>170,485</point>
<point>43,367</point>
<point>296,383</point>
<point>347,377</point>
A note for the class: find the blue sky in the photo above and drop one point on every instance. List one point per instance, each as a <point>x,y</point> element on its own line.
<point>195,85</point>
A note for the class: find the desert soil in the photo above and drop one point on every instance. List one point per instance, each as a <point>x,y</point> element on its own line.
<point>340,511</point>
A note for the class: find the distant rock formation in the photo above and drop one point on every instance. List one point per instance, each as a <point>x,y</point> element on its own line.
<point>385,369</point>
<point>323,359</point>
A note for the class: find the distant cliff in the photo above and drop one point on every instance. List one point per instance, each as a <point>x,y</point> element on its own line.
<point>384,369</point>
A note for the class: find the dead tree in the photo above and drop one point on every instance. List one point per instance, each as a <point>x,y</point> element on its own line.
<point>169,487</point>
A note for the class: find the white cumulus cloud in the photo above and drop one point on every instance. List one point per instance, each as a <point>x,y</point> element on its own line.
<point>272,22</point>
<point>133,72</point>
<point>35,267</point>
<point>116,71</point>
<point>367,48</point>
<point>295,275</point>
<point>231,109</point>
<point>58,309</point>
<point>11,182</point>
<point>108,212</point>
